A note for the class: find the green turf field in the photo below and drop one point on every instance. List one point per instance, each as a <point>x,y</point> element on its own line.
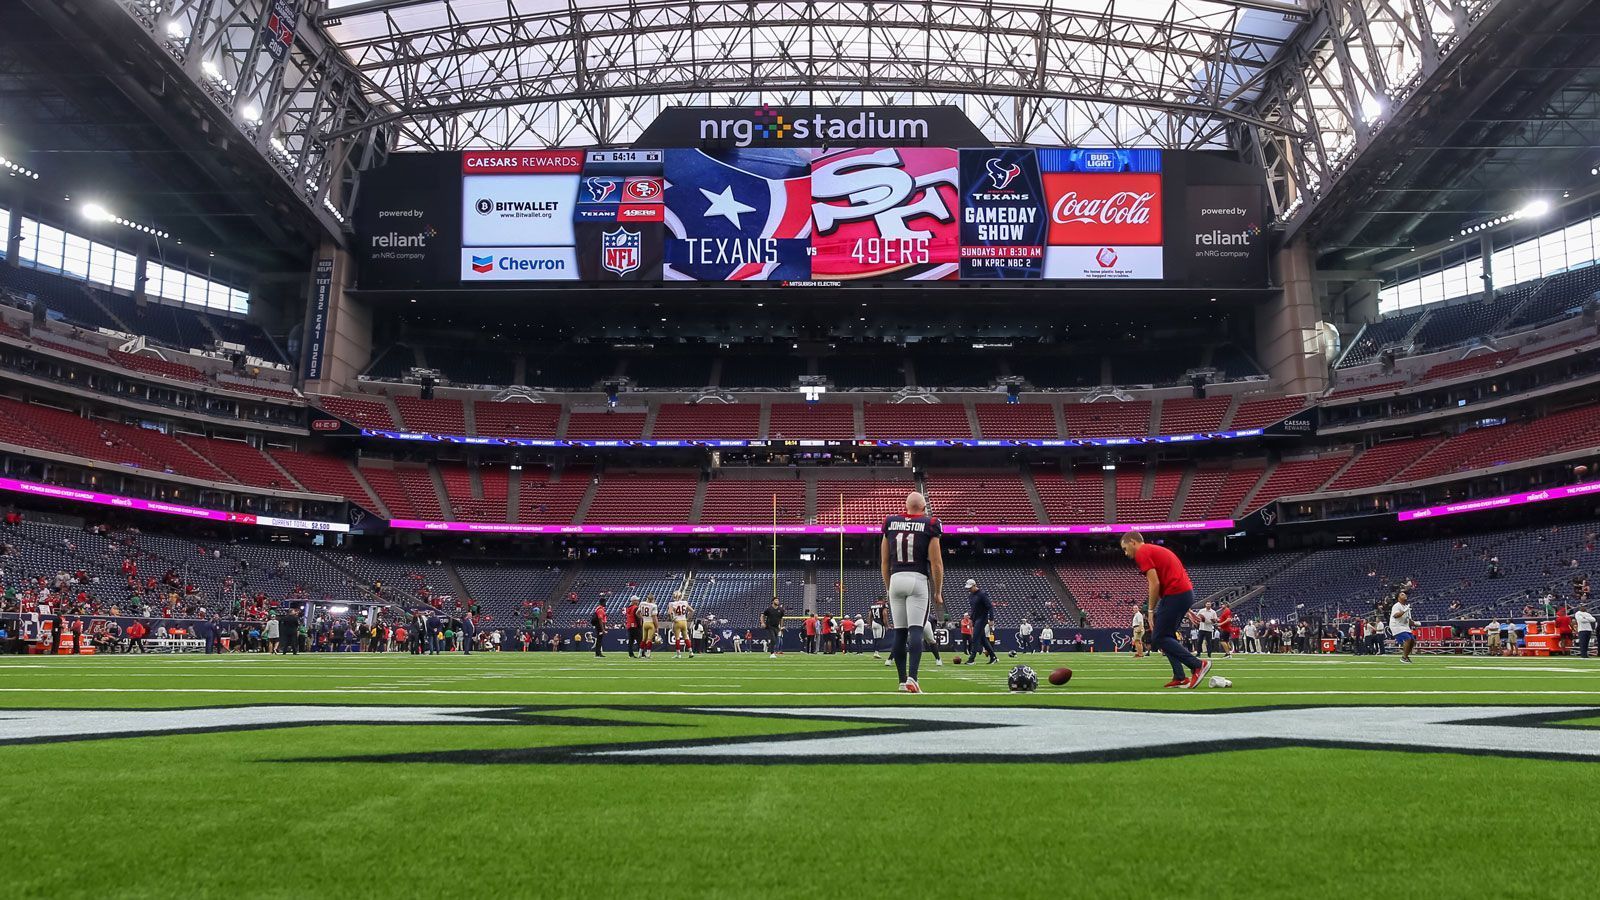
<point>743,776</point>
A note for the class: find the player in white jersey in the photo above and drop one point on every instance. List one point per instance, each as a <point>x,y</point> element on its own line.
<point>647,625</point>
<point>679,610</point>
<point>1400,626</point>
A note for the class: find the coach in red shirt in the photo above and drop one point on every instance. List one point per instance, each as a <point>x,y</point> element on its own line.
<point>1171,595</point>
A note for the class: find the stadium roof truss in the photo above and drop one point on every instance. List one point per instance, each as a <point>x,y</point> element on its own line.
<point>1297,86</point>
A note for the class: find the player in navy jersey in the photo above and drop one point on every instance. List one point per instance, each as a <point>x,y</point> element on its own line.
<point>913,576</point>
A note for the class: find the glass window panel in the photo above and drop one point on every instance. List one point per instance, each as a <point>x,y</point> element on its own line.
<point>49,247</point>
<point>127,268</point>
<point>30,239</point>
<point>75,255</point>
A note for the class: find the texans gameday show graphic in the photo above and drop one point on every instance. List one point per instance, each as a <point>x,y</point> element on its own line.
<point>886,213</point>
<point>1003,214</point>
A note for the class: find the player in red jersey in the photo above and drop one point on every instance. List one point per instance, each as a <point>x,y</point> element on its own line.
<point>1171,595</point>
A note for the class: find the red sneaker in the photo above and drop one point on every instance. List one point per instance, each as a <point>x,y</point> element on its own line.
<point>1177,683</point>
<point>912,687</point>
<point>1199,675</point>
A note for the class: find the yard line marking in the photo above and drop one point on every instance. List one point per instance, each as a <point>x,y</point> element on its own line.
<point>1153,692</point>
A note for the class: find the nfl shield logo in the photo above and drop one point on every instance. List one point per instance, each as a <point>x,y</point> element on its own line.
<point>619,251</point>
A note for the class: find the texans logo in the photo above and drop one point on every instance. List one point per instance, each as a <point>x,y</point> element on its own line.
<point>1001,176</point>
<point>599,189</point>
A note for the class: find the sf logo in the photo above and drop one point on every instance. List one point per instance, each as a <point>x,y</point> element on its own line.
<point>876,186</point>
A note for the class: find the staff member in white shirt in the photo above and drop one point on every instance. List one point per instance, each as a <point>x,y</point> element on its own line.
<point>1139,642</point>
<point>1024,636</point>
<point>1400,626</point>
<point>1046,636</point>
<point>1207,618</point>
<point>1584,622</point>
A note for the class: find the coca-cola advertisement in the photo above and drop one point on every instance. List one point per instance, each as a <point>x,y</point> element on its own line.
<point>1120,209</point>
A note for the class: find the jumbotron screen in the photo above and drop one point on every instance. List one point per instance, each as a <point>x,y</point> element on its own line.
<point>797,214</point>
<point>810,216</point>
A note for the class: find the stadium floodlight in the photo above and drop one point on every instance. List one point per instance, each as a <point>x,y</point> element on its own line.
<point>175,30</point>
<point>94,212</point>
<point>1372,109</point>
<point>251,114</point>
<point>1534,209</point>
<point>18,170</point>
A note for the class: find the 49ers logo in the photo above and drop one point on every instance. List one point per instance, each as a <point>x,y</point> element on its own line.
<point>1090,209</point>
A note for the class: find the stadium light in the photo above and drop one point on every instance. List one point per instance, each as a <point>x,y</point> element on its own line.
<point>1534,210</point>
<point>1372,109</point>
<point>175,30</point>
<point>18,170</point>
<point>95,212</point>
<point>209,67</point>
<point>251,114</point>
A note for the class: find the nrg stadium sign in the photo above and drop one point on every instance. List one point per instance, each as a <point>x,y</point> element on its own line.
<point>812,126</point>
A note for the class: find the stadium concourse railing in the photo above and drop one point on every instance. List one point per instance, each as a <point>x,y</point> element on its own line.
<point>80,495</point>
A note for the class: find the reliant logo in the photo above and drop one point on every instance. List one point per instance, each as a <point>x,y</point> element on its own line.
<point>768,124</point>
<point>395,240</point>
<point>1220,238</point>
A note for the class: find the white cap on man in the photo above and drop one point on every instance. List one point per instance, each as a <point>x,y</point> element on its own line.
<point>971,583</point>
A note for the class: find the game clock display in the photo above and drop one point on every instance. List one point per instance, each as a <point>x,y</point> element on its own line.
<point>764,214</point>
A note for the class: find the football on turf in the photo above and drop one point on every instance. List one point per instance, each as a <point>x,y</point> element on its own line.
<point>956,661</point>
<point>1060,676</point>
